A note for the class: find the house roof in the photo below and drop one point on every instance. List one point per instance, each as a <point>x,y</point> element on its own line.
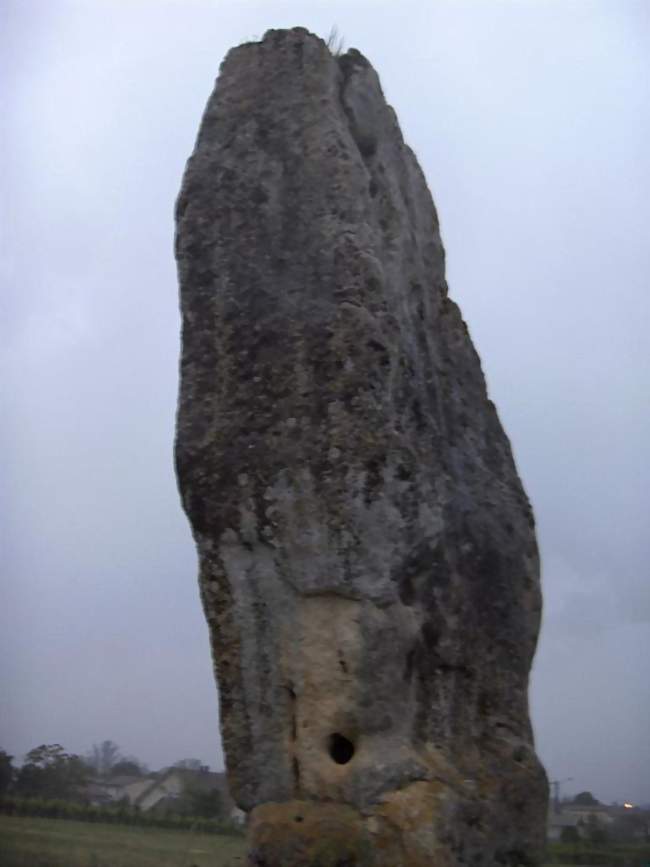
<point>122,780</point>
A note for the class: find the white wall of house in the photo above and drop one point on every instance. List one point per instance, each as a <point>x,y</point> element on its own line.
<point>134,790</point>
<point>170,786</point>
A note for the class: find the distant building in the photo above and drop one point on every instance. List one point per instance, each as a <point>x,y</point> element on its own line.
<point>557,822</point>
<point>590,813</point>
<point>162,791</point>
<point>103,792</point>
<point>133,790</point>
<point>167,788</point>
<point>582,817</point>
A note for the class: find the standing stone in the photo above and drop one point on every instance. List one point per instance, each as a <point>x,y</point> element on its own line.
<point>368,564</point>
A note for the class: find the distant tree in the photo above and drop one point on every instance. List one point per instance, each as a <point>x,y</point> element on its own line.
<point>50,772</point>
<point>630,826</point>
<point>594,830</point>
<point>128,768</point>
<point>585,799</point>
<point>206,804</point>
<point>103,756</point>
<point>6,772</point>
<point>189,764</point>
<point>569,834</point>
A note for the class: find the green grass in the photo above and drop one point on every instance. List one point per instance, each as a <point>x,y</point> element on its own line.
<point>27,842</point>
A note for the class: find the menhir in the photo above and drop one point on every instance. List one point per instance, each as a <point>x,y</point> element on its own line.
<point>368,564</point>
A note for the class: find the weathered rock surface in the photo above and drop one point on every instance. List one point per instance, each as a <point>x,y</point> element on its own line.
<point>368,563</point>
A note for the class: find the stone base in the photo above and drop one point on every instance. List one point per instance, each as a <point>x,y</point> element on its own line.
<point>397,833</point>
<point>424,824</point>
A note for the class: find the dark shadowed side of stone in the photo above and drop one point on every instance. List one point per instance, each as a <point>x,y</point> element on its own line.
<point>368,564</point>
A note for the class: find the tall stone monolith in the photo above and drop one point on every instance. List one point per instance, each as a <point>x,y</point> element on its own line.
<point>368,564</point>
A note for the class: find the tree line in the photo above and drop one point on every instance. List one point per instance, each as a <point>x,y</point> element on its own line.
<point>52,783</point>
<point>120,814</point>
<point>50,772</point>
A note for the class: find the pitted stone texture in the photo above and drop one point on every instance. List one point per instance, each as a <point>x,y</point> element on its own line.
<point>368,564</point>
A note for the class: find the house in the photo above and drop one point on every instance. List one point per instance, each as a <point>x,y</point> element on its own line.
<point>136,788</point>
<point>557,822</point>
<point>95,793</point>
<point>582,817</point>
<point>163,791</point>
<point>103,792</point>
<point>116,786</point>
<point>167,789</point>
<point>590,814</point>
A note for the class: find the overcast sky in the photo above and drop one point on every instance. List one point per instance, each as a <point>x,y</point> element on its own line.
<point>531,121</point>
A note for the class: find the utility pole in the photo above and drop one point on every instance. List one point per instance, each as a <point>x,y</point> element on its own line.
<point>556,791</point>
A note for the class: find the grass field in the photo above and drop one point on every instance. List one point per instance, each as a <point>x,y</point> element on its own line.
<point>27,842</point>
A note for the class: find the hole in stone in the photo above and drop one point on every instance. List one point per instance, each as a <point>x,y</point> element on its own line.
<point>340,748</point>
<point>403,473</point>
<point>298,818</point>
